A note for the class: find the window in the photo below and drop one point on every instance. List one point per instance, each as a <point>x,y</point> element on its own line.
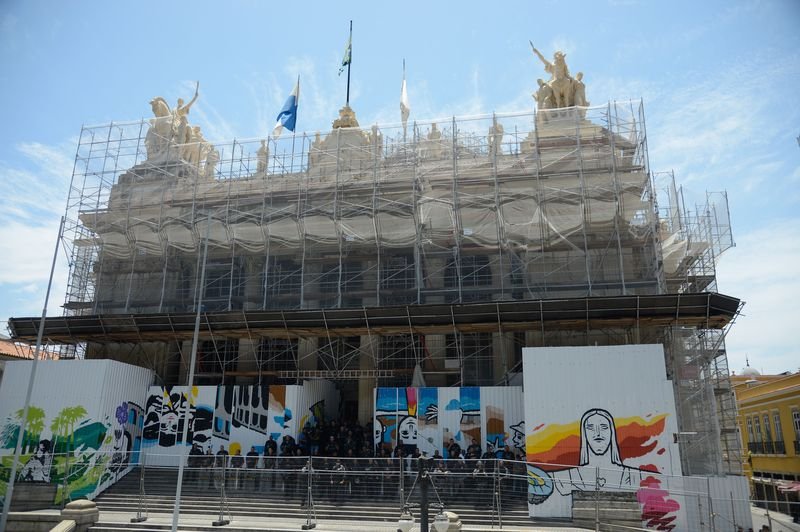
<point>767,428</point>
<point>750,437</point>
<point>475,271</point>
<point>400,351</point>
<point>796,423</point>
<point>776,418</point>
<point>398,273</point>
<point>780,445</point>
<point>224,282</point>
<point>757,426</point>
<point>284,277</point>
<point>477,366</point>
<point>277,354</point>
<point>350,280</point>
<point>215,357</point>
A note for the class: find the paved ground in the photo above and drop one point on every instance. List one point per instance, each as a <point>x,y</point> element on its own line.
<point>274,524</point>
<point>780,522</point>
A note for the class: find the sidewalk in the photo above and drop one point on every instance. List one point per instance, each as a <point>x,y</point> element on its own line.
<point>780,522</point>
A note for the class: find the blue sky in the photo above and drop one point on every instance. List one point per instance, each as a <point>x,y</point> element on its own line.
<point>719,81</point>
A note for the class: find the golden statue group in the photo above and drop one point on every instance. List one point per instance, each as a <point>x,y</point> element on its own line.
<point>562,90</point>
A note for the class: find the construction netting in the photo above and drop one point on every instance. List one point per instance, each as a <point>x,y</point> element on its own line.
<point>553,204</point>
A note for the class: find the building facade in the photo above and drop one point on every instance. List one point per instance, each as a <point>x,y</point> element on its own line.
<point>769,422</point>
<point>383,257</point>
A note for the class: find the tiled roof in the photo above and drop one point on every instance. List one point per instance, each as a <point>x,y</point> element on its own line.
<point>19,350</point>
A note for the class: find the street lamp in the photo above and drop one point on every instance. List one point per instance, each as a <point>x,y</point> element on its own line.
<point>406,520</point>
<point>441,522</point>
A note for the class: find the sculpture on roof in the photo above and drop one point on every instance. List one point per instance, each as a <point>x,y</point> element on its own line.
<point>495,138</point>
<point>181,116</point>
<point>562,89</point>
<point>262,155</point>
<point>170,136</point>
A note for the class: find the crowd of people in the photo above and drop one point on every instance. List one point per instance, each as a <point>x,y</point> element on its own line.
<point>346,465</point>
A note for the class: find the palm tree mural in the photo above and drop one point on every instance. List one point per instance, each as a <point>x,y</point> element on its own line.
<point>58,428</point>
<point>72,414</point>
<point>33,427</point>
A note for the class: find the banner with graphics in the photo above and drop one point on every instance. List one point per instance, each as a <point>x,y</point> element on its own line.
<point>601,416</point>
<point>236,417</point>
<point>433,418</point>
<point>88,410</point>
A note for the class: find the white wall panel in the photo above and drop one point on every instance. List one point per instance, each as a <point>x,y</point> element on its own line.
<point>606,411</point>
<point>89,409</point>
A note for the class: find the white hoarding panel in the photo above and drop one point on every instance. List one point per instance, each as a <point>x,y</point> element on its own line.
<point>90,410</point>
<point>236,417</point>
<point>434,418</point>
<point>164,414</point>
<point>600,415</point>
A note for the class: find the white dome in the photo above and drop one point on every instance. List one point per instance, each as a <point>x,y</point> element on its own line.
<point>750,372</point>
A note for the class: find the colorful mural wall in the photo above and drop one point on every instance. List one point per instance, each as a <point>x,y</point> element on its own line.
<point>602,415</point>
<point>429,418</point>
<point>236,417</point>
<point>84,422</point>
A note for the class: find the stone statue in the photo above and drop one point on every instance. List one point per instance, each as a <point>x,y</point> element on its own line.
<point>433,148</point>
<point>580,91</point>
<point>376,139</point>
<point>347,118</point>
<point>181,117</point>
<point>561,84</point>
<point>313,153</point>
<point>544,96</point>
<point>262,155</point>
<point>170,127</point>
<point>211,163</point>
<point>196,148</point>
<point>158,136</point>
<point>434,133</point>
<point>495,138</point>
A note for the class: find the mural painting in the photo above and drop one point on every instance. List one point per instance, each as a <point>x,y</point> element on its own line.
<point>236,417</point>
<point>165,412</point>
<point>624,444</point>
<point>432,419</point>
<point>396,418</point>
<point>80,437</point>
<point>428,437</point>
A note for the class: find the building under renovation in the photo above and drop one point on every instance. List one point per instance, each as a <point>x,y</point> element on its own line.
<point>396,256</point>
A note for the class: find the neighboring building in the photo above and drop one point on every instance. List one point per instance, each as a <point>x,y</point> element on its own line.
<point>11,350</point>
<point>769,422</point>
<point>370,256</point>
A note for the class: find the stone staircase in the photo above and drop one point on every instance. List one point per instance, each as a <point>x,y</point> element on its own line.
<point>617,510</point>
<point>369,503</point>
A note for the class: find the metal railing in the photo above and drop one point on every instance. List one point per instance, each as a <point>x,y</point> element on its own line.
<point>489,492</point>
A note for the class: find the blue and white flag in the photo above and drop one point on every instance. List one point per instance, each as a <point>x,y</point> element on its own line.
<point>288,115</point>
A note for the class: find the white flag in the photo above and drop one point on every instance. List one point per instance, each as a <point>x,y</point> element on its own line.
<point>405,109</point>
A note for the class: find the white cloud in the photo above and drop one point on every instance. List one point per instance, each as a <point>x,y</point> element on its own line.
<point>713,129</point>
<point>762,271</point>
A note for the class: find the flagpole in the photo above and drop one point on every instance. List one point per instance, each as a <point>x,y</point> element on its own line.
<point>347,103</point>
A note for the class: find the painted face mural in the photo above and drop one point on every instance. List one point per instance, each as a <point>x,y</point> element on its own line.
<point>600,462</point>
<point>597,432</point>
<point>408,431</point>
<point>378,431</point>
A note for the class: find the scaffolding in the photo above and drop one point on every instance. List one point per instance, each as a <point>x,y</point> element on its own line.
<point>555,204</point>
